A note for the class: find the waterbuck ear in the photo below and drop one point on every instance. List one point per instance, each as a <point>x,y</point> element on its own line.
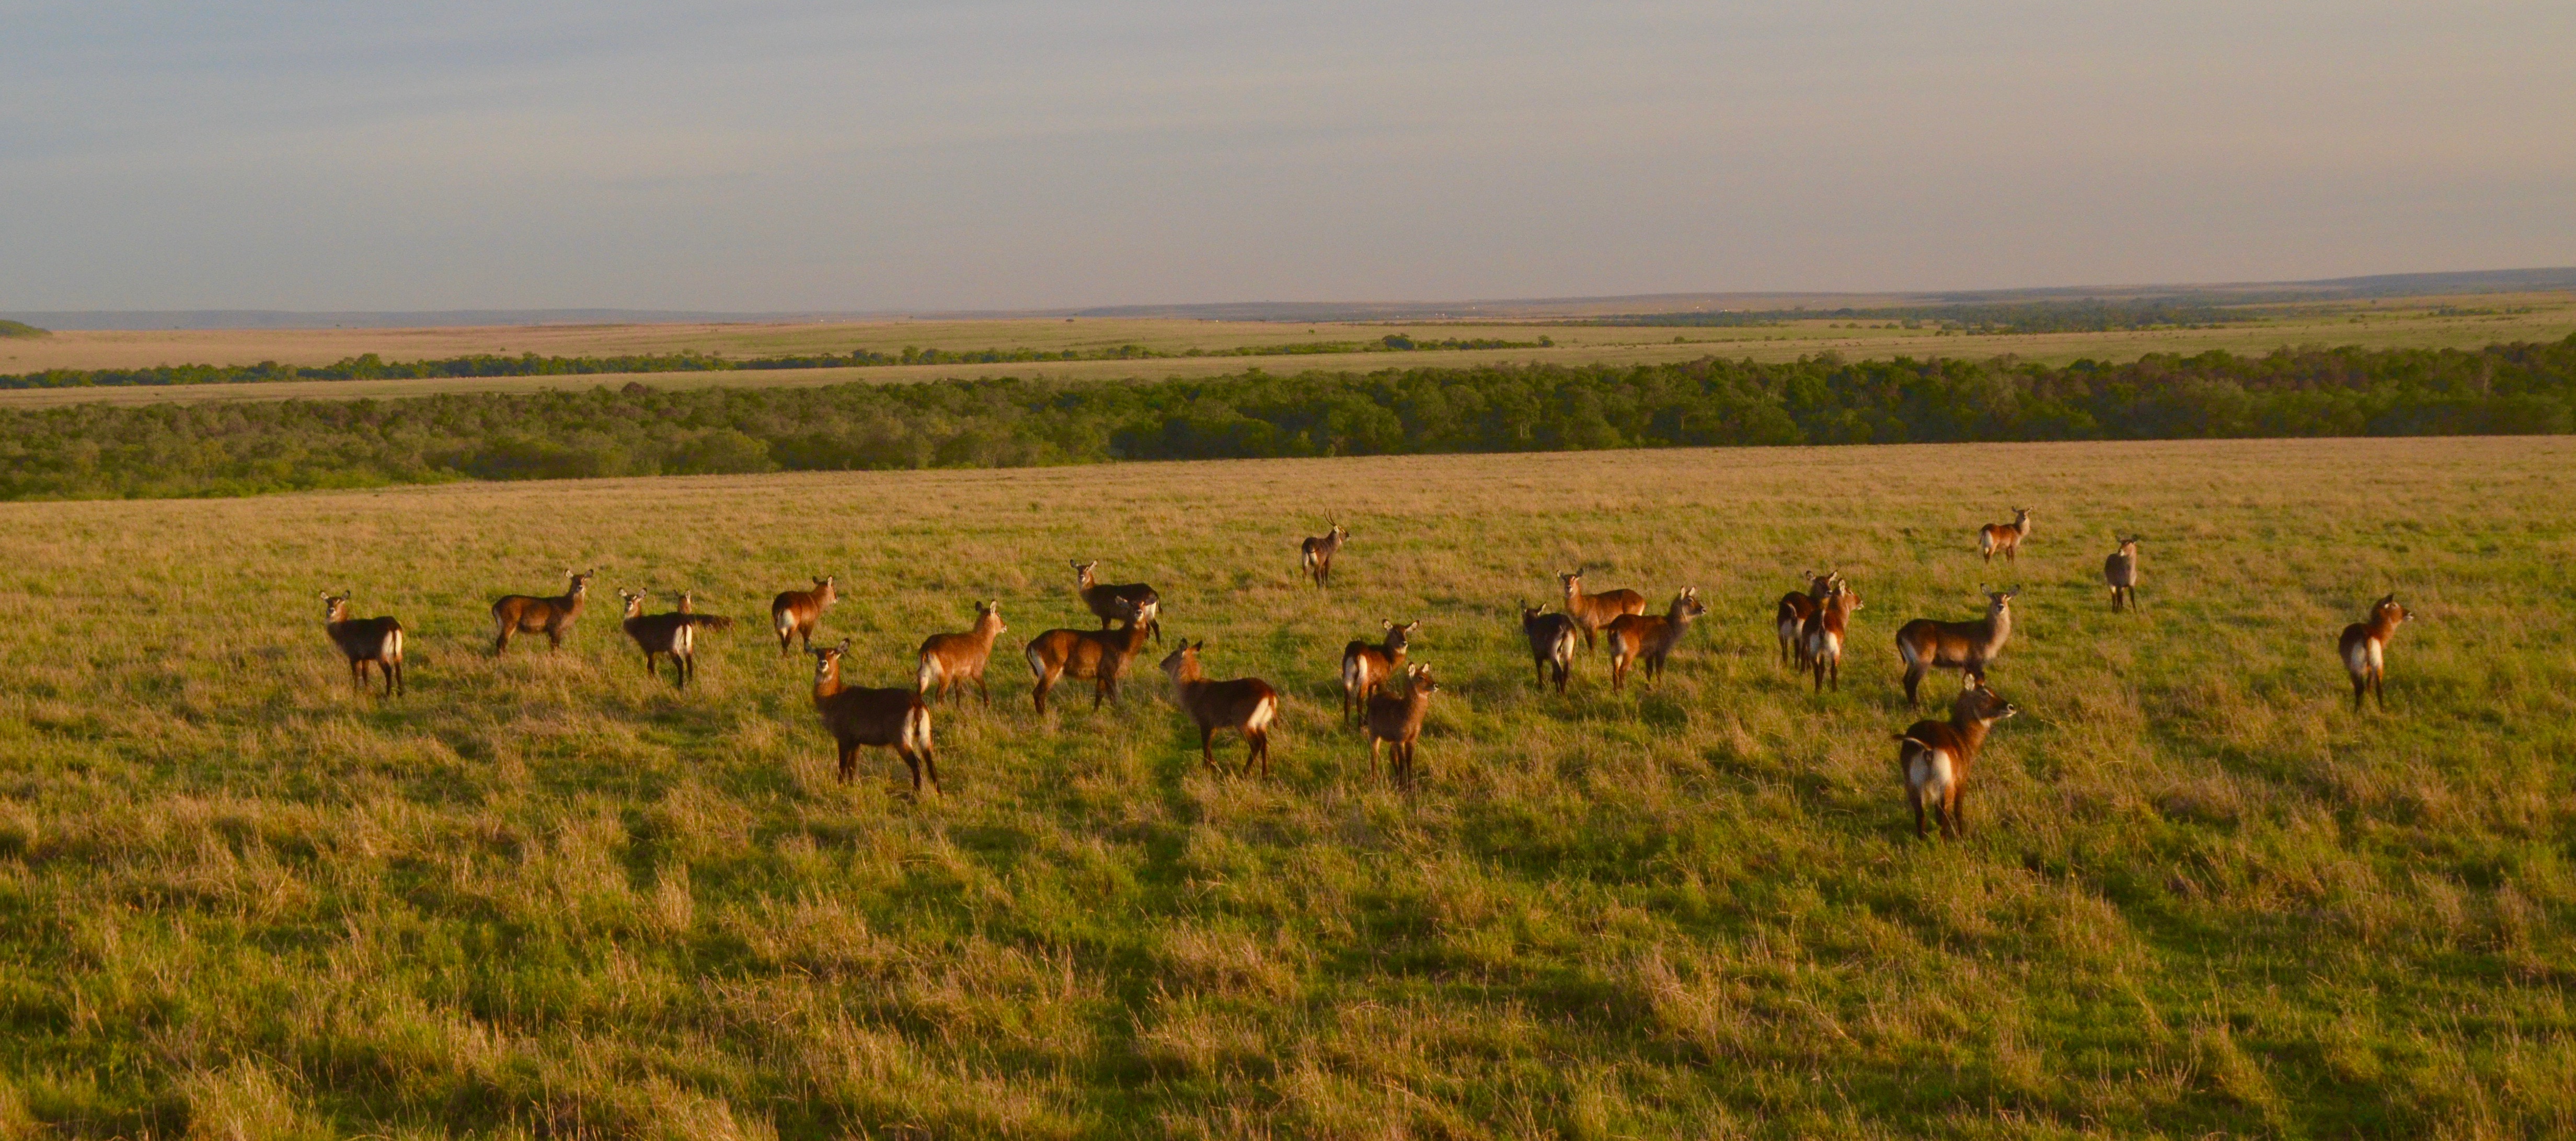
<point>1388,623</point>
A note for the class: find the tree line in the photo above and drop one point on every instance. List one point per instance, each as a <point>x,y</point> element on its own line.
<point>374,367</point>
<point>241,448</point>
<point>2081,316</point>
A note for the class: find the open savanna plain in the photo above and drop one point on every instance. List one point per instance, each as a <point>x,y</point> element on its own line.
<point>548,895</point>
<point>2450,321</point>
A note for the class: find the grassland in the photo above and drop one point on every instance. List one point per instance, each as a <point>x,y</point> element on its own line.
<point>549,896</point>
<point>2457,322</point>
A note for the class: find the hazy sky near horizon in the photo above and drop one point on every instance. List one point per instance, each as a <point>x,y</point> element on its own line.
<point>999,154</point>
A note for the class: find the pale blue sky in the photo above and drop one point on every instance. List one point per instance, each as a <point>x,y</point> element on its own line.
<point>1000,154</point>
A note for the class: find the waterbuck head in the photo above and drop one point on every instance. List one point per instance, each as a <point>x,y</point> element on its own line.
<point>2386,613</point>
<point>827,662</point>
<point>1981,703</point>
<point>1399,634</point>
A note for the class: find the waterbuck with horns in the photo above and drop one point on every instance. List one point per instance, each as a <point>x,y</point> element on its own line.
<point>552,617</point>
<point>1113,601</point>
<point>795,613</point>
<point>365,641</point>
<point>1246,705</point>
<point>2364,648</point>
<point>675,634</point>
<point>1366,667</point>
<point>892,718</point>
<point>1926,644</point>
<point>1316,553</point>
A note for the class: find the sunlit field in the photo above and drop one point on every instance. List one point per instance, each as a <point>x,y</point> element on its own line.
<point>2465,322</point>
<point>549,895</point>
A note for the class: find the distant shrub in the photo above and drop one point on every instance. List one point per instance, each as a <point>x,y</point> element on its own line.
<point>20,330</point>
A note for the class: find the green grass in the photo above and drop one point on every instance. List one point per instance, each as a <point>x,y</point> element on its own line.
<point>548,896</point>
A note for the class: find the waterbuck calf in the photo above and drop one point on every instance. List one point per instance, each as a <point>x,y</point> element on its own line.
<point>552,617</point>
<point>1366,667</point>
<point>1592,612</point>
<point>1551,642</point>
<point>1821,641</point>
<point>365,641</point>
<point>1395,719</point>
<point>674,634</point>
<point>2120,569</point>
<point>1101,655</point>
<point>1926,644</point>
<point>1935,755</point>
<point>2004,538</point>
<point>794,613</point>
<point>1112,601</point>
<point>1790,619</point>
<point>948,661</point>
<point>1246,705</point>
<point>883,718</point>
<point>2365,650</point>
<point>1316,553</point>
<point>1636,637</point>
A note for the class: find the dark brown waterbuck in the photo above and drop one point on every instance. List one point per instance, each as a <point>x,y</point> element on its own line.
<point>894,718</point>
<point>1316,553</point>
<point>1101,655</point>
<point>1112,602</point>
<point>526,614</point>
<point>1366,667</point>
<point>365,641</point>
<point>1925,644</point>
<point>1246,705</point>
<point>1935,755</point>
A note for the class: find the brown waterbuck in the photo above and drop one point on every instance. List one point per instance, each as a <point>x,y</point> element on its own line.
<point>1112,601</point>
<point>552,617</point>
<point>2365,650</point>
<point>2004,538</point>
<point>794,613</point>
<point>2120,569</point>
<point>883,718</point>
<point>1246,705</point>
<point>1925,644</point>
<point>1935,755</point>
<point>1551,642</point>
<point>364,641</point>
<point>1316,554</point>
<point>1821,642</point>
<point>1790,620</point>
<point>1592,612</point>
<point>1366,667</point>
<point>1640,637</point>
<point>1395,719</point>
<point>674,634</point>
<point>1101,655</point>
<point>948,661</point>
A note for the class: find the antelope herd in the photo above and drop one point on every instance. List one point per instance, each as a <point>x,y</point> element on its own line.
<point>1383,692</point>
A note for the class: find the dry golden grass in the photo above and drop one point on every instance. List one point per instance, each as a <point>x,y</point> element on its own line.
<point>547,895</point>
<point>2391,323</point>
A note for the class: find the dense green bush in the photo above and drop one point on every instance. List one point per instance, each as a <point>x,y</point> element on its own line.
<point>94,450</point>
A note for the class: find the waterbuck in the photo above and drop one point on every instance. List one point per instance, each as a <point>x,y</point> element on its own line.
<point>1366,667</point>
<point>1790,619</point>
<point>365,641</point>
<point>794,613</point>
<point>1551,642</point>
<point>524,614</point>
<point>1640,637</point>
<point>2120,569</point>
<point>1935,755</point>
<point>1821,641</point>
<point>1101,655</point>
<point>1396,719</point>
<point>1592,612</point>
<point>1316,553</point>
<point>674,634</point>
<point>950,660</point>
<point>2004,538</point>
<point>1926,644</point>
<point>1246,705</point>
<point>893,718</point>
<point>2365,651</point>
<point>1112,601</point>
